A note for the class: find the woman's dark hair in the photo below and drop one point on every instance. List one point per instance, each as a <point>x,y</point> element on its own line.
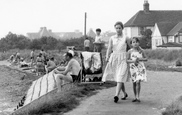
<point>119,23</point>
<point>98,30</point>
<point>69,55</point>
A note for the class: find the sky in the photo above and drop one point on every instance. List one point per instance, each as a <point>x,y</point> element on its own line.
<point>22,16</point>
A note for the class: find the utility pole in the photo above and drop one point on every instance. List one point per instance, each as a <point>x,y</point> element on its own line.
<point>85,25</point>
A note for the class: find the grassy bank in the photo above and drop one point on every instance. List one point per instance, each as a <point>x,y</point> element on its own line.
<point>66,101</point>
<point>14,85</point>
<point>175,108</point>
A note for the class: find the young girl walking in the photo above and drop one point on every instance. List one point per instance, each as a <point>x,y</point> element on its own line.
<point>135,58</point>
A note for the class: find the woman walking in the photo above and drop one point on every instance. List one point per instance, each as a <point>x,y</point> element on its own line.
<point>116,61</point>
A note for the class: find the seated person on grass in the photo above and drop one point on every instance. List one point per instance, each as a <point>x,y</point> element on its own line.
<point>70,73</point>
<point>40,64</point>
<point>23,63</point>
<point>50,65</point>
<point>11,58</point>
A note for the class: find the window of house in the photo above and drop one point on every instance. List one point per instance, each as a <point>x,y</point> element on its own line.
<point>156,42</point>
<point>180,38</point>
<point>170,39</point>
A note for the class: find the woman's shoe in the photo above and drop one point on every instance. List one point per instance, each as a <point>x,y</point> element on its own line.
<point>134,100</point>
<point>116,99</point>
<point>124,98</point>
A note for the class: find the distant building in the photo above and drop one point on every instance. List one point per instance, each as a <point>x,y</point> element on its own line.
<point>91,33</point>
<point>58,35</point>
<point>166,25</point>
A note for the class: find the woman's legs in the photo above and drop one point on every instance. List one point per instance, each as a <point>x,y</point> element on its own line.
<point>118,88</point>
<point>123,89</point>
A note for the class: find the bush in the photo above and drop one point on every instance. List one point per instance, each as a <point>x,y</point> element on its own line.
<point>164,54</point>
<point>178,63</point>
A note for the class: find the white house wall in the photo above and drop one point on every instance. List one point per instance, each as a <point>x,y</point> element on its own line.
<point>131,31</point>
<point>127,31</point>
<point>156,37</point>
<point>164,39</point>
<point>134,32</point>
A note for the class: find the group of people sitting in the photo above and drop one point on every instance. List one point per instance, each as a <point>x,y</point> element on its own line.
<point>67,71</point>
<point>15,58</point>
<point>43,62</point>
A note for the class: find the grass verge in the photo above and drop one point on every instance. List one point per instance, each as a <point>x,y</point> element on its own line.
<point>175,108</point>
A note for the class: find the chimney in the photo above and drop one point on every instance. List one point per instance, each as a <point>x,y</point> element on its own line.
<point>146,6</point>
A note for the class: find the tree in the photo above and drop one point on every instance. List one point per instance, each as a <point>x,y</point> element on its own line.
<point>145,40</point>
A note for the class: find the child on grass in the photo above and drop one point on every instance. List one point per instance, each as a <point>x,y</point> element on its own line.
<point>135,58</point>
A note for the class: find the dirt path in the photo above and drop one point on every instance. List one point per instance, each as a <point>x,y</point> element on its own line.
<point>160,90</point>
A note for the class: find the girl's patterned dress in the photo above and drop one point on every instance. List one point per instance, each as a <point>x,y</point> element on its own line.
<point>137,71</point>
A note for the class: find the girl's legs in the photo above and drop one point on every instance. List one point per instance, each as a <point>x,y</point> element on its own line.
<point>138,87</point>
<point>134,89</point>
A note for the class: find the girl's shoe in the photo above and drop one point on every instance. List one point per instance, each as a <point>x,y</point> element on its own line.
<point>116,99</point>
<point>134,100</point>
<point>124,98</point>
<point>138,100</point>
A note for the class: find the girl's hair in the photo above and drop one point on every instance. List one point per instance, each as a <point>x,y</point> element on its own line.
<point>135,38</point>
<point>119,23</point>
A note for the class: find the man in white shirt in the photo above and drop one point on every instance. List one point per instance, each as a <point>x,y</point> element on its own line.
<point>69,73</point>
<point>98,41</point>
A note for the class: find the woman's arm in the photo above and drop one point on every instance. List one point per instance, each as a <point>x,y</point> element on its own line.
<point>128,42</point>
<point>109,49</point>
<point>144,57</point>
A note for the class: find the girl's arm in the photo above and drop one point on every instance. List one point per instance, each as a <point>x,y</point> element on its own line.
<point>109,49</point>
<point>144,57</point>
<point>128,58</point>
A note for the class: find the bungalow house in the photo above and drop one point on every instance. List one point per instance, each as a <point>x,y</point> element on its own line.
<point>166,25</point>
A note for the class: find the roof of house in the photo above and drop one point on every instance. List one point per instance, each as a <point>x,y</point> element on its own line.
<point>143,18</point>
<point>91,33</point>
<point>180,31</point>
<point>171,44</point>
<point>43,32</point>
<point>165,27</point>
<point>176,29</point>
<point>58,35</point>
